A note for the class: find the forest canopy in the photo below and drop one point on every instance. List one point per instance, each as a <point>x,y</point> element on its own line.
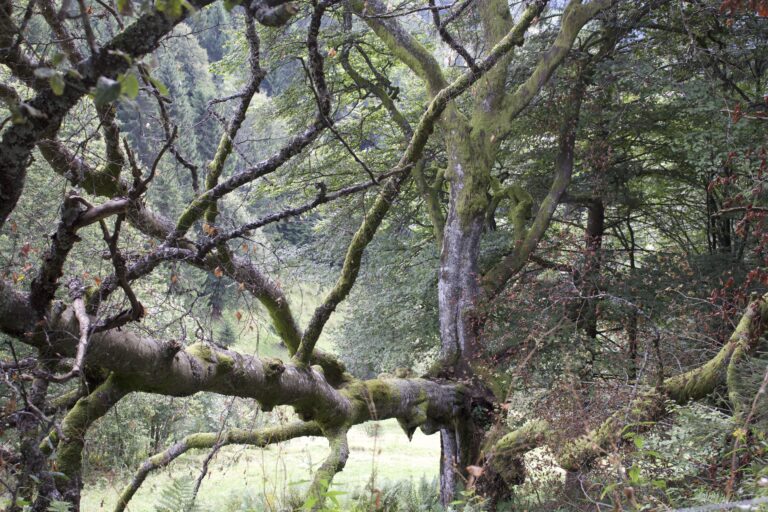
<point>533,229</point>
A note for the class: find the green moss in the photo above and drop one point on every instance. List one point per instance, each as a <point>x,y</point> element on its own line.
<point>524,439</point>
<point>644,410</point>
<point>273,367</point>
<point>76,423</point>
<point>200,440</point>
<point>225,364</point>
<point>381,392</point>
<point>201,351</point>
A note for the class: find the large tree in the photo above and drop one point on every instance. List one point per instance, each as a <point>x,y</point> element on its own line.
<point>464,125</point>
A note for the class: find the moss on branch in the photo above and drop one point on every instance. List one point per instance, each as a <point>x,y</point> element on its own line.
<point>649,406</point>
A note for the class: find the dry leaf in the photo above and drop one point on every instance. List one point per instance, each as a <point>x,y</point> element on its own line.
<point>218,272</point>
<point>475,471</point>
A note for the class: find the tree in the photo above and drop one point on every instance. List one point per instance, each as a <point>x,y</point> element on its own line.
<point>86,338</point>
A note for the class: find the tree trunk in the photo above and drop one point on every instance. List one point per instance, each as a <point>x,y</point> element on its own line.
<point>458,288</point>
<point>458,299</point>
<point>591,272</point>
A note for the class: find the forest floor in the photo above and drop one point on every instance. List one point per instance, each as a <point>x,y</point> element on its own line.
<point>241,476</point>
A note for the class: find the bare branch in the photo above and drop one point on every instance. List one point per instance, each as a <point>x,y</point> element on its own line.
<point>258,438</point>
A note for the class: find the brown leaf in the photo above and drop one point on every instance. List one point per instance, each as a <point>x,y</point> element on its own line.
<point>210,230</point>
<point>218,272</point>
<point>475,471</point>
<point>238,315</point>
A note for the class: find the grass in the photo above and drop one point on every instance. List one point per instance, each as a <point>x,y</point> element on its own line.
<point>273,473</point>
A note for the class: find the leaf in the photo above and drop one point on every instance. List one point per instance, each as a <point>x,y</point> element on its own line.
<point>231,4</point>
<point>475,471</point>
<point>634,474</point>
<point>30,111</point>
<point>160,86</point>
<point>307,505</point>
<point>56,81</point>
<point>639,442</point>
<point>608,489</point>
<point>44,72</point>
<point>218,272</point>
<point>129,85</point>
<point>172,8</point>
<point>57,59</point>
<point>209,230</point>
<point>238,315</point>
<point>107,91</point>
<point>332,53</point>
<point>125,7</point>
<point>121,53</point>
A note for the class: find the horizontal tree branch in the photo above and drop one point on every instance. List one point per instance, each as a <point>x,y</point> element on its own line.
<point>260,438</point>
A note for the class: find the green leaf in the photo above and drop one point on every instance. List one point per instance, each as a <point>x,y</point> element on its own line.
<point>56,81</point>
<point>57,59</point>
<point>634,474</point>
<point>608,488</point>
<point>639,442</point>
<point>106,92</point>
<point>122,54</point>
<point>309,503</point>
<point>59,506</point>
<point>125,7</point>
<point>172,8</point>
<point>129,85</point>
<point>160,86</point>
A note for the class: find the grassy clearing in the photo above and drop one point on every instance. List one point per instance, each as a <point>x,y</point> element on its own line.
<point>275,472</point>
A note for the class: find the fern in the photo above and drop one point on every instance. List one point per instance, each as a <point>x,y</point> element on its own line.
<point>59,506</point>
<point>178,496</point>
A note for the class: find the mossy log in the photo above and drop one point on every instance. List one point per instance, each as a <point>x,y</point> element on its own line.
<point>647,408</point>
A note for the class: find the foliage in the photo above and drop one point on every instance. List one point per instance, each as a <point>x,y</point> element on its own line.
<point>179,496</point>
<point>654,249</point>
